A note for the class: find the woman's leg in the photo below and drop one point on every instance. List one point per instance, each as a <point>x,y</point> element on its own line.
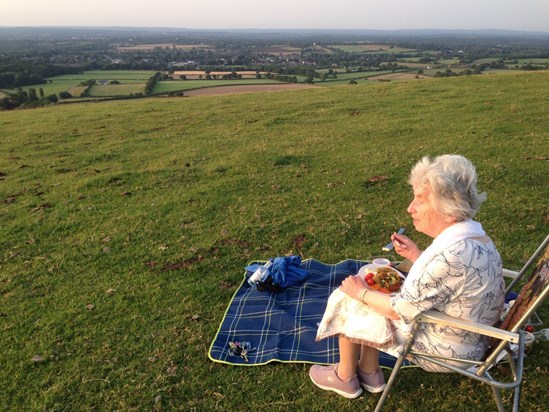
<point>348,357</point>
<point>369,359</point>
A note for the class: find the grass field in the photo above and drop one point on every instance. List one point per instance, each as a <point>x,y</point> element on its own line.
<point>539,62</point>
<point>120,75</point>
<point>448,62</point>
<point>139,47</point>
<point>124,89</point>
<point>542,62</point>
<point>54,87</point>
<point>70,82</point>
<point>412,65</point>
<point>370,48</point>
<point>360,75</point>
<point>126,226</point>
<point>132,81</point>
<point>176,85</point>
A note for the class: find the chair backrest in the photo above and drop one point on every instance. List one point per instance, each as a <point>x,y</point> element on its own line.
<point>531,295</point>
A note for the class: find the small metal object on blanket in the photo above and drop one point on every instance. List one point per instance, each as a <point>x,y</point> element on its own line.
<point>240,349</point>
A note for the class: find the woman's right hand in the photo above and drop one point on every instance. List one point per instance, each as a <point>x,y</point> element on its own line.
<point>405,247</point>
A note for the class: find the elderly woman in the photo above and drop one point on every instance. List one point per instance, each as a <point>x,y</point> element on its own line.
<point>459,274</point>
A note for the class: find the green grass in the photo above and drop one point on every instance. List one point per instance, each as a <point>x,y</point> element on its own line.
<point>175,85</point>
<point>542,61</point>
<point>123,89</point>
<point>55,87</point>
<point>359,75</point>
<point>340,82</point>
<point>412,65</point>
<point>132,81</point>
<point>126,226</point>
<point>120,75</point>
<point>448,62</point>
<point>67,81</point>
<point>371,48</point>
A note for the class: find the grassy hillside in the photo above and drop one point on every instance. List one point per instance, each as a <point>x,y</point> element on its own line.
<point>126,226</point>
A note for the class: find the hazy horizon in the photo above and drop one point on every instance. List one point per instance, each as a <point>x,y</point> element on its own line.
<point>513,15</point>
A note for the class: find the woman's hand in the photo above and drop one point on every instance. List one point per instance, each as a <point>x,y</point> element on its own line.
<point>405,247</point>
<point>353,286</point>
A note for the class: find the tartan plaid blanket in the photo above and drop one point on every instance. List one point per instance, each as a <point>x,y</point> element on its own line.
<point>282,326</point>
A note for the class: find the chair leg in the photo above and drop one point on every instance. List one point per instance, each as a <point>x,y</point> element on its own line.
<point>516,399</point>
<point>389,384</point>
<point>497,397</point>
<point>396,368</point>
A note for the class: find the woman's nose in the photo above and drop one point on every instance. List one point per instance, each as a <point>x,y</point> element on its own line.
<point>410,208</point>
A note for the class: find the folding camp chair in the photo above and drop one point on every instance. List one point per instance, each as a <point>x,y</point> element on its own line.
<point>509,332</point>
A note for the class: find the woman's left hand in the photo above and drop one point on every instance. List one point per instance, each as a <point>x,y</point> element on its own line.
<point>353,286</point>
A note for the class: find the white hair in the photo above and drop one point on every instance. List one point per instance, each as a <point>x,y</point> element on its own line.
<point>452,180</point>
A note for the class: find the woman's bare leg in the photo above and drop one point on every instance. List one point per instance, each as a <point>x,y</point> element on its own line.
<point>369,359</point>
<point>348,357</point>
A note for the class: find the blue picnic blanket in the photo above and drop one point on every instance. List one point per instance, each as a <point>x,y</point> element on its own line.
<point>282,326</point>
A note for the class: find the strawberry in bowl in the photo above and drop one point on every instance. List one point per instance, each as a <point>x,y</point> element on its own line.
<point>383,279</point>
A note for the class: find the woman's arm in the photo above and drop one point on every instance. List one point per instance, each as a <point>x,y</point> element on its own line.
<point>356,288</point>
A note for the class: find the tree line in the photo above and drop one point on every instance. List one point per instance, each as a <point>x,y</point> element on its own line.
<point>32,98</point>
<point>14,74</point>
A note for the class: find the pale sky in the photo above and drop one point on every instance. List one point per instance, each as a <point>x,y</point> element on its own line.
<point>530,15</point>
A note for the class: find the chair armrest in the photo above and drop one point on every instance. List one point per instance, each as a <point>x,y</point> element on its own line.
<point>509,273</point>
<point>434,316</point>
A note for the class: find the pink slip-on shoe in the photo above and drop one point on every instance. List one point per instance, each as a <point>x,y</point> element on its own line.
<point>373,383</point>
<point>325,377</point>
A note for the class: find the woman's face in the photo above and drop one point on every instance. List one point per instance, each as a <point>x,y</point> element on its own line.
<point>426,219</point>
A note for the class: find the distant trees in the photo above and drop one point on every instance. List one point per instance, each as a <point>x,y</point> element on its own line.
<point>281,78</point>
<point>88,85</point>
<point>26,99</point>
<point>16,72</point>
<point>149,87</point>
<point>450,73</point>
<point>32,95</point>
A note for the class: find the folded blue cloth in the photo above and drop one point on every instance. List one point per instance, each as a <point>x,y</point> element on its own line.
<point>285,271</point>
<point>511,296</point>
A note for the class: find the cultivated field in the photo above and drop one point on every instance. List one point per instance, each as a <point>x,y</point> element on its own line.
<point>201,74</point>
<point>256,88</point>
<point>370,48</point>
<point>178,85</point>
<point>400,76</point>
<point>411,64</point>
<point>76,91</point>
<point>139,47</point>
<point>279,50</point>
<point>111,90</point>
<point>360,75</point>
<point>540,62</point>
